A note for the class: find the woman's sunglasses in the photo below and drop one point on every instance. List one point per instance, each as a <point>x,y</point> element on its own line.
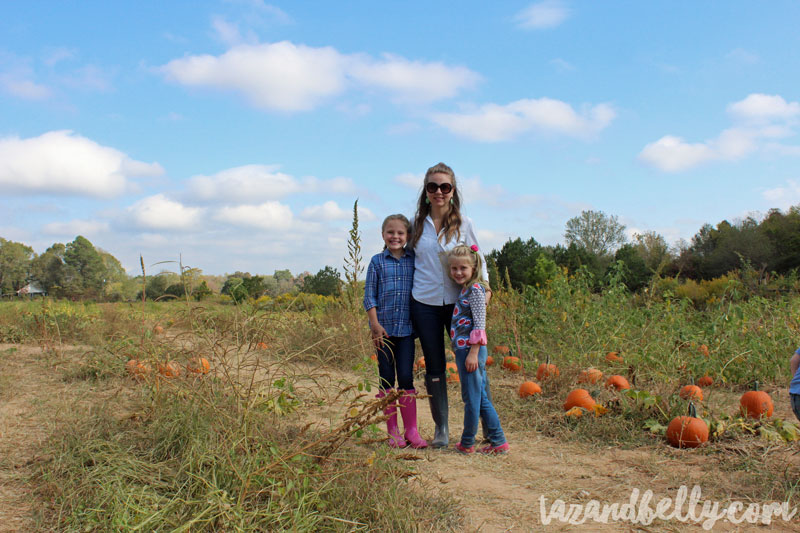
<point>431,187</point>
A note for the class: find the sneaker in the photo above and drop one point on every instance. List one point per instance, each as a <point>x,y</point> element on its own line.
<point>495,450</point>
<point>466,450</point>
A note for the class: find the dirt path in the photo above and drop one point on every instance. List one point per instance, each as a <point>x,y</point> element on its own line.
<point>25,386</point>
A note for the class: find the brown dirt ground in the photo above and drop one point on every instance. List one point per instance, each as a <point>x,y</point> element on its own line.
<point>496,493</point>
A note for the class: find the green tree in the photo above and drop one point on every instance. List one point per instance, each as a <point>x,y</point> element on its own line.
<point>518,258</point>
<point>87,264</point>
<point>326,282</point>
<point>15,265</point>
<point>234,287</point>
<point>653,249</point>
<point>202,291</point>
<point>635,272</point>
<point>595,231</point>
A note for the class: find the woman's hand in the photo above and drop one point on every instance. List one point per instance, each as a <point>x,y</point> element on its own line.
<point>471,363</point>
<point>379,334</point>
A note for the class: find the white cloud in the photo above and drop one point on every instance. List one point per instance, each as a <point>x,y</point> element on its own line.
<point>475,192</point>
<point>160,213</point>
<point>413,81</point>
<point>257,183</point>
<point>410,180</point>
<point>280,76</point>
<point>764,118</point>
<point>268,215</point>
<point>783,197</point>
<point>743,56</point>
<point>248,183</point>
<point>61,162</point>
<point>764,107</point>
<point>229,33</point>
<point>330,210</point>
<point>288,77</point>
<point>547,14</point>
<point>76,227</point>
<point>24,88</point>
<point>493,122</point>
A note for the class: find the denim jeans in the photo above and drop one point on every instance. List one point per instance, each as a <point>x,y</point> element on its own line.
<point>432,324</point>
<point>477,404</point>
<point>795,404</point>
<point>396,357</point>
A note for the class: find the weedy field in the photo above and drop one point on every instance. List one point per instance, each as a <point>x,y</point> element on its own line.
<point>179,416</point>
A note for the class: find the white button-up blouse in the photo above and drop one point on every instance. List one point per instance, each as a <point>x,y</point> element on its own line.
<point>432,283</point>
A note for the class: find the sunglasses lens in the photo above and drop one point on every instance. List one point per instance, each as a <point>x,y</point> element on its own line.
<point>444,187</point>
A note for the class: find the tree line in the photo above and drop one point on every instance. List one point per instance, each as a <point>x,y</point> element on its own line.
<point>597,243</point>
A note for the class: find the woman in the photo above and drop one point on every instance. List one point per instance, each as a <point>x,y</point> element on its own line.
<point>438,227</point>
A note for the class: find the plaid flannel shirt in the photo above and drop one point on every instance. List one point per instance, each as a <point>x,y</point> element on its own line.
<point>388,288</point>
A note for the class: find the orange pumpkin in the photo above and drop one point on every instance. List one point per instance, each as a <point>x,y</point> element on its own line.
<point>489,361</point>
<point>579,398</point>
<point>374,357</point>
<point>613,357</point>
<point>691,392</point>
<point>617,383</point>
<point>756,404</point>
<point>546,370</point>
<point>512,363</point>
<point>137,368</point>
<point>591,375</point>
<point>501,349</point>
<point>420,363</point>
<point>705,381</point>
<point>687,432</point>
<point>158,330</point>
<point>703,350</point>
<point>529,388</point>
<point>169,369</point>
<point>452,373</point>
<point>199,365</point>
<point>262,346</point>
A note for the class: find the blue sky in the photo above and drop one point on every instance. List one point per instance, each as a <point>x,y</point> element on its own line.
<point>238,133</point>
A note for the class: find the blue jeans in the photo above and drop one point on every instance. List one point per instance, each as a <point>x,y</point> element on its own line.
<point>396,357</point>
<point>796,404</point>
<point>477,404</point>
<point>432,324</point>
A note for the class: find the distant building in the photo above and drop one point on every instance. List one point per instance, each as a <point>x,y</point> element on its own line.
<point>32,289</point>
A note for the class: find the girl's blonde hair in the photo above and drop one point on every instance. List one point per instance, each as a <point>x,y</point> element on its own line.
<point>461,251</point>
<point>452,222</point>
<point>402,218</point>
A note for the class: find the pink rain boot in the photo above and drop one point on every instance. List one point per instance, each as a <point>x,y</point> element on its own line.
<point>395,439</point>
<point>408,410</point>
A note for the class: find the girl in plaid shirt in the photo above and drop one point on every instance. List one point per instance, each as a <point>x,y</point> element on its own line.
<point>387,296</point>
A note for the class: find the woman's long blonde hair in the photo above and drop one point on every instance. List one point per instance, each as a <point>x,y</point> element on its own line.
<point>452,222</point>
<point>461,251</point>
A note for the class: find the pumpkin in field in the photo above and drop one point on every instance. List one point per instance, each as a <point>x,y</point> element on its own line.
<point>529,388</point>
<point>687,431</point>
<point>703,350</point>
<point>169,369</point>
<point>452,373</point>
<point>374,357</point>
<point>158,330</point>
<point>691,392</point>
<point>420,363</point>
<point>547,370</point>
<point>705,381</point>
<point>617,383</point>
<point>756,404</point>
<point>575,412</point>
<point>512,363</point>
<point>489,361</point>
<point>579,398</point>
<point>137,368</point>
<point>501,349</point>
<point>591,375</point>
<point>199,365</point>
<point>613,357</point>
<point>262,346</point>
